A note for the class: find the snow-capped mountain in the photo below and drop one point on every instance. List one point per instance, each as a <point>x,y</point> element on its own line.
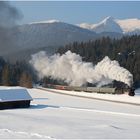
<point>130,26</point>
<point>109,24</point>
<point>50,35</point>
<point>46,35</point>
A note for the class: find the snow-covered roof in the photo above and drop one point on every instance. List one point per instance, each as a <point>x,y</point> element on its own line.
<point>14,95</point>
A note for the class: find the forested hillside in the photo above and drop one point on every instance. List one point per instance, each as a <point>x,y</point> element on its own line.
<point>125,50</point>
<point>18,74</point>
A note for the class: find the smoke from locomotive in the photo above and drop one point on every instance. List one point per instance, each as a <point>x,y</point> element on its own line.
<point>70,68</point>
<point>9,16</point>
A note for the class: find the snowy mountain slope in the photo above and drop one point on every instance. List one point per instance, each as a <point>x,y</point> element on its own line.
<point>109,24</point>
<point>46,21</point>
<point>46,35</point>
<point>130,26</point>
<point>51,34</point>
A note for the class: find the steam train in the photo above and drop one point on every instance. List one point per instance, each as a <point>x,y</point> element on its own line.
<point>129,91</point>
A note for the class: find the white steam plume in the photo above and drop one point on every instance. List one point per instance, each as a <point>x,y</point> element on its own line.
<point>112,70</point>
<point>70,68</point>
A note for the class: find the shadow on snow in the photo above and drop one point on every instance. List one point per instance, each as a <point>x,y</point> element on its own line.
<point>41,106</point>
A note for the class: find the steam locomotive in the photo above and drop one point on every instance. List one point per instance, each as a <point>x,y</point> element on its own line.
<point>129,91</point>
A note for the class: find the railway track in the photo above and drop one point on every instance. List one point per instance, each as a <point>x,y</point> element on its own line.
<point>82,96</point>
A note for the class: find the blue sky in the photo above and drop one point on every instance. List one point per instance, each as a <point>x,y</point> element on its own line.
<point>76,11</point>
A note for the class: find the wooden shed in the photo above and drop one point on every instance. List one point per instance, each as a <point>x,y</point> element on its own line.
<point>14,98</point>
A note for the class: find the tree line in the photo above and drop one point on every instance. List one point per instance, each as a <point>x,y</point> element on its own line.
<point>125,50</point>
<point>18,74</point>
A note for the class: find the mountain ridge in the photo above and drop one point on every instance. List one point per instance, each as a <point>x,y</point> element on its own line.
<point>50,35</point>
<point>127,26</point>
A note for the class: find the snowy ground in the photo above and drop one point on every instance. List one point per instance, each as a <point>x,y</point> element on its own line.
<point>124,98</point>
<point>55,116</point>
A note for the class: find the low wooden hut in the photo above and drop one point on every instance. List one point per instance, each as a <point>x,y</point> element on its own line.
<point>14,98</point>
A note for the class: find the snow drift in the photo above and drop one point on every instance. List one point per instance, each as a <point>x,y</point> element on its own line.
<point>70,68</point>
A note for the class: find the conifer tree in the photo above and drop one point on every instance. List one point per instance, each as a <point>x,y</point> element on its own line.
<point>25,80</point>
<point>5,76</point>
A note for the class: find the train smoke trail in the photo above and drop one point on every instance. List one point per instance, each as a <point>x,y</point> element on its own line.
<point>112,70</point>
<point>70,68</point>
<point>9,16</point>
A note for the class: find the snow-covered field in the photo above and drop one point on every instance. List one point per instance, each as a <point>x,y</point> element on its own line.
<point>122,98</point>
<point>56,116</point>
